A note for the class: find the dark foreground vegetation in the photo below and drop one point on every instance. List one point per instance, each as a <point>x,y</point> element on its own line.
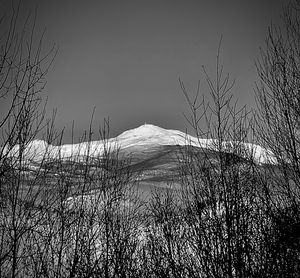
<point>229,216</point>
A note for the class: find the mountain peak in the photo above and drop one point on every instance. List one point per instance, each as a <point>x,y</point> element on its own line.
<point>145,130</point>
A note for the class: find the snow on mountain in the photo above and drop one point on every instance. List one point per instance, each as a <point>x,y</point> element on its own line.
<point>148,134</point>
<point>34,150</point>
<point>145,135</point>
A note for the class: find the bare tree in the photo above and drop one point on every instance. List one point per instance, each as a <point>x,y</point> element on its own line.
<point>90,219</point>
<point>23,67</point>
<point>278,120</point>
<point>224,217</point>
<point>165,249</point>
<point>76,217</point>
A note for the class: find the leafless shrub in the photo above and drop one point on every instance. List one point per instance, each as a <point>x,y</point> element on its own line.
<point>59,217</point>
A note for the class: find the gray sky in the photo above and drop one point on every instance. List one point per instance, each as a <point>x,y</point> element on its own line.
<point>125,57</point>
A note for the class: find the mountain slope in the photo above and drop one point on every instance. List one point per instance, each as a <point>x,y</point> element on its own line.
<point>146,135</point>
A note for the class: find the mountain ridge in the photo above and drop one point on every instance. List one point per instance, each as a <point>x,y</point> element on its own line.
<point>144,135</point>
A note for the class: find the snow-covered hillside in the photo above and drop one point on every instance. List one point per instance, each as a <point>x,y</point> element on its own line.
<point>145,135</point>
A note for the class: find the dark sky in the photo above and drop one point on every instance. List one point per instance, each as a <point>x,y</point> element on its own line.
<point>125,57</point>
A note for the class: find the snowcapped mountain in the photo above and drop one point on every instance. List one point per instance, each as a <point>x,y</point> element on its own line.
<point>143,136</point>
<point>148,134</point>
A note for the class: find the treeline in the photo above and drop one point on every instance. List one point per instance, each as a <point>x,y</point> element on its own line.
<point>231,217</point>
